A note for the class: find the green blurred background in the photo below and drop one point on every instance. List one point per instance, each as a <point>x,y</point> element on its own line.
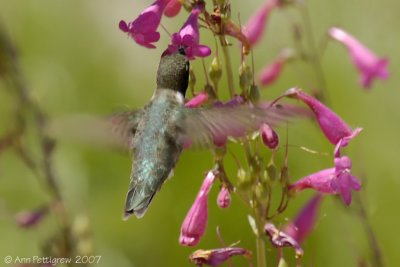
<point>76,60</point>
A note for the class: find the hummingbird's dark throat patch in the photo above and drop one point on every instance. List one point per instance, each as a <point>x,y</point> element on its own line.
<point>173,73</point>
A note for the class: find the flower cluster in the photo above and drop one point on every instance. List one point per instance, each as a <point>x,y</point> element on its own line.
<point>143,29</point>
<point>256,183</point>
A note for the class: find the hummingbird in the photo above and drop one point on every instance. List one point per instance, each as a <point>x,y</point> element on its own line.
<point>159,131</point>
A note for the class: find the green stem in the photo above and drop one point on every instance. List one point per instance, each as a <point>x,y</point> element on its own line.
<point>260,243</point>
<point>228,66</point>
<point>315,55</point>
<point>372,239</point>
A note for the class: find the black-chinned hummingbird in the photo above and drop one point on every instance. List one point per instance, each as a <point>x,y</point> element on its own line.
<point>159,131</point>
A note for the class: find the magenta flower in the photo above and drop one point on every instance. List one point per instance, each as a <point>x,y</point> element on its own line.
<point>337,180</point>
<point>144,28</point>
<point>368,64</point>
<point>216,257</point>
<point>172,9</point>
<point>270,73</point>
<point>195,222</point>
<point>344,181</point>
<point>279,238</point>
<point>269,137</point>
<point>224,198</point>
<point>255,27</point>
<point>197,101</point>
<point>189,37</point>
<point>305,220</point>
<point>334,128</point>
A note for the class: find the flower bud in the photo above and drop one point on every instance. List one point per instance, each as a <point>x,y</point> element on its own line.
<point>254,94</point>
<point>261,192</point>
<point>224,198</point>
<point>269,137</point>
<point>215,71</point>
<point>245,77</point>
<point>244,180</point>
<point>282,263</point>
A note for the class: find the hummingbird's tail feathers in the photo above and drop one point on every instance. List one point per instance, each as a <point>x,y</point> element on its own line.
<point>137,202</point>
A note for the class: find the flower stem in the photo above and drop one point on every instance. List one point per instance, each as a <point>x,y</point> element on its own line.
<point>260,243</point>
<point>228,66</point>
<point>372,239</point>
<point>314,55</point>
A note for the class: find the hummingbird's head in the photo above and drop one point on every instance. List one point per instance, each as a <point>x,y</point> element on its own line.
<point>173,72</point>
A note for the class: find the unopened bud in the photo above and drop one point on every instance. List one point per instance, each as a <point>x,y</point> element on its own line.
<point>224,198</point>
<point>282,263</point>
<point>269,137</point>
<point>261,192</point>
<point>245,76</point>
<point>215,71</point>
<point>254,93</point>
<point>244,180</point>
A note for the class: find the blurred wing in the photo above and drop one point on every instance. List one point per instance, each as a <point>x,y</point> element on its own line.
<point>124,125</point>
<point>113,131</point>
<point>207,126</point>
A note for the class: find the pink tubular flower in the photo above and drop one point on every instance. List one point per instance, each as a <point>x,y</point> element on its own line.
<point>197,101</point>
<point>172,9</point>
<point>224,198</point>
<point>269,137</point>
<point>188,37</point>
<point>195,222</point>
<point>216,257</point>
<point>144,28</point>
<point>337,180</point>
<point>279,238</point>
<point>334,128</point>
<point>305,220</point>
<point>368,64</point>
<point>255,27</point>
<point>270,73</point>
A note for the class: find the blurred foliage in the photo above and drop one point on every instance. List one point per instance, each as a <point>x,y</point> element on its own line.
<point>76,60</point>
